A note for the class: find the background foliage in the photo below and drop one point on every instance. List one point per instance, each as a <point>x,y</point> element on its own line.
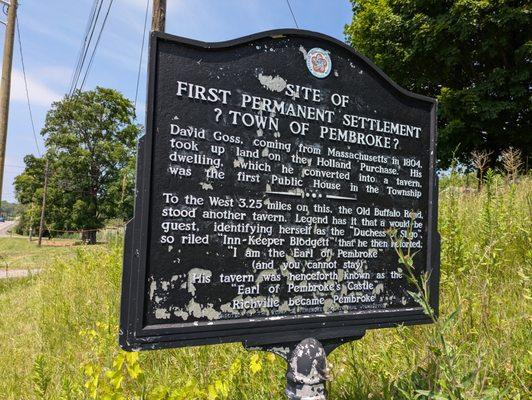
<point>474,56</point>
<point>90,139</point>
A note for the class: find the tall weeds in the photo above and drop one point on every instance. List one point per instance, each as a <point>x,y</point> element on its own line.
<point>58,331</point>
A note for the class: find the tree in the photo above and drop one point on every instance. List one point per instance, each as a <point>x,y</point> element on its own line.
<point>29,191</point>
<point>474,56</point>
<point>90,139</point>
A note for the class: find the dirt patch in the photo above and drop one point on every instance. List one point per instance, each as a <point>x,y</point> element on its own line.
<point>60,243</point>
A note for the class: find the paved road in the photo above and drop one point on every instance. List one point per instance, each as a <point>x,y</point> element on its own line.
<point>5,226</point>
<point>13,273</point>
<point>18,273</point>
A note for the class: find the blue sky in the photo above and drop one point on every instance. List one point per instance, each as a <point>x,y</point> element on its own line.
<point>52,32</point>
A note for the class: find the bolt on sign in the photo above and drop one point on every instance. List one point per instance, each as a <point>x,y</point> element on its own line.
<point>271,169</point>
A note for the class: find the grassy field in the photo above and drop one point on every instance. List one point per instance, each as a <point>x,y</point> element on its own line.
<point>58,330</point>
<point>18,252</point>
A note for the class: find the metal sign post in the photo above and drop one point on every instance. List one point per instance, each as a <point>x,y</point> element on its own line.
<point>307,370</point>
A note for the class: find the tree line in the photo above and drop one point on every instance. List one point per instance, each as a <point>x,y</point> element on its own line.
<point>473,56</point>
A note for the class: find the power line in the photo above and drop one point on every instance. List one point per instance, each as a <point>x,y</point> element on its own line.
<point>87,44</point>
<point>96,45</point>
<point>93,21</point>
<point>26,86</point>
<point>142,50</point>
<point>84,43</point>
<point>292,12</point>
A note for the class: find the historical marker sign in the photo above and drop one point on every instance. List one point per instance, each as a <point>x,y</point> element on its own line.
<point>271,167</point>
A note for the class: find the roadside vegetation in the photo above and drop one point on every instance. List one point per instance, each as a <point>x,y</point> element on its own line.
<point>18,252</point>
<point>59,329</point>
<point>92,131</point>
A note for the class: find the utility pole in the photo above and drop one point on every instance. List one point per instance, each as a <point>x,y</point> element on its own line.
<point>5,85</point>
<point>158,20</point>
<point>31,227</point>
<point>43,208</point>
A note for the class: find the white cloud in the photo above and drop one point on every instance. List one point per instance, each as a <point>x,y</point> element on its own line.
<point>62,35</point>
<point>40,94</point>
<point>56,74</point>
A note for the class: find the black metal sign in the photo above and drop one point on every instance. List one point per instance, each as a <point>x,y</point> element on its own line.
<point>271,168</point>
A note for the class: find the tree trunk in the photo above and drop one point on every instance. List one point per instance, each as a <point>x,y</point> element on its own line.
<point>480,177</point>
<point>88,237</point>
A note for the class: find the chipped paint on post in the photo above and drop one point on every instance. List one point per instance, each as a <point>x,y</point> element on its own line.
<point>307,371</point>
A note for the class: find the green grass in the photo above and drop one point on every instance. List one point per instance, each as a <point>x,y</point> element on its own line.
<point>58,330</point>
<point>19,335</point>
<point>18,252</point>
